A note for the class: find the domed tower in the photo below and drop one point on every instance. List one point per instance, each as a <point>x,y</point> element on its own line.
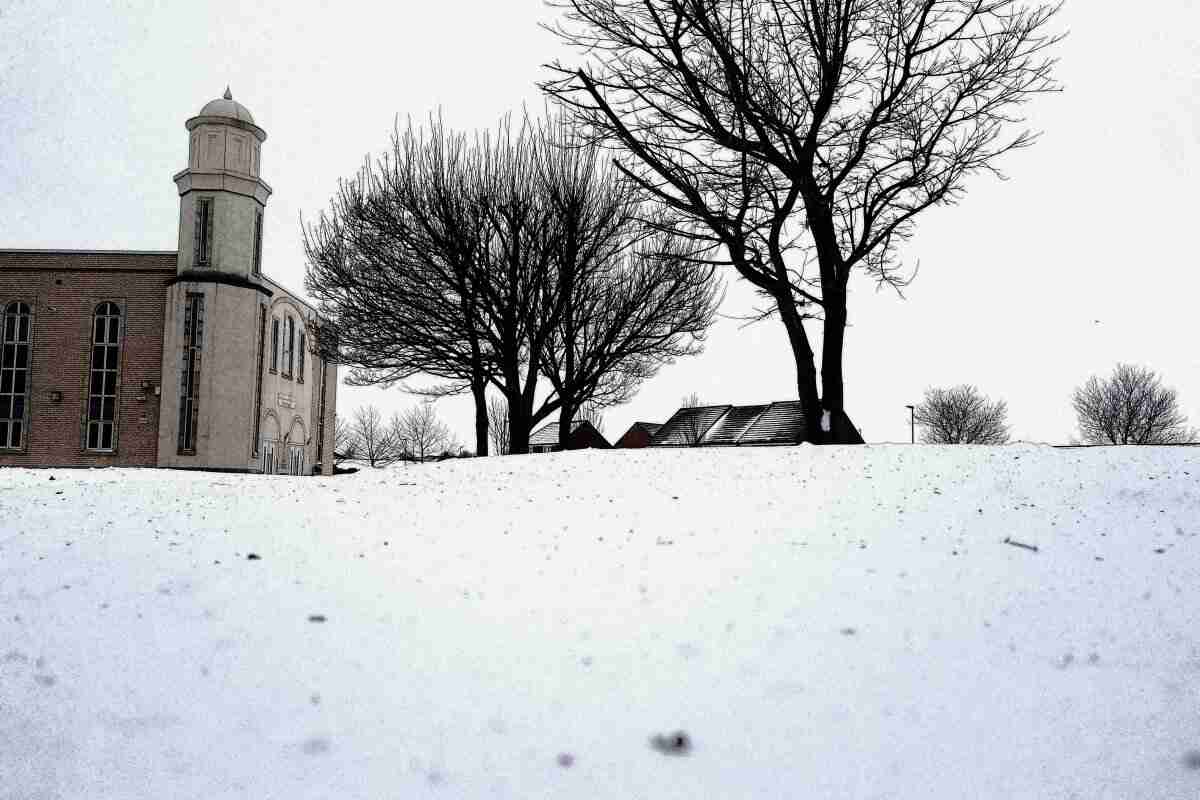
<point>222,196</point>
<point>215,303</point>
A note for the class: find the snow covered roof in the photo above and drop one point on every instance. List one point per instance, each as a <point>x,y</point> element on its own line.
<point>687,426</point>
<point>548,434</point>
<point>770,423</point>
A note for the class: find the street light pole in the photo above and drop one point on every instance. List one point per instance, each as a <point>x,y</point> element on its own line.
<point>912,422</point>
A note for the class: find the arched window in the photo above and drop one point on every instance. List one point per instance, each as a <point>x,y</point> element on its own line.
<point>14,374</point>
<point>102,384</point>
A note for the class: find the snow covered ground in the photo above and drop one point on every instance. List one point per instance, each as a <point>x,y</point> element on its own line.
<point>820,622</point>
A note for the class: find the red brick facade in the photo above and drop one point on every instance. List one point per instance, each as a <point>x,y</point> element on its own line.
<point>63,290</point>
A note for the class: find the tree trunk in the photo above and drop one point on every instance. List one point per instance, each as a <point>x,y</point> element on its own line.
<point>806,372</point>
<point>832,390</point>
<point>565,414</point>
<point>479,390</point>
<point>518,423</point>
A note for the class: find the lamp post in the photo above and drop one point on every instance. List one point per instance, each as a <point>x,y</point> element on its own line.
<point>912,422</point>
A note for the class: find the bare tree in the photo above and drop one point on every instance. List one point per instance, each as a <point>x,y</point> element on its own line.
<point>376,443</point>
<point>961,415</point>
<point>634,296</point>
<point>689,428</point>
<point>498,425</point>
<point>1131,407</point>
<point>803,138</point>
<point>394,263</point>
<point>503,259</point>
<point>345,440</point>
<point>423,433</point>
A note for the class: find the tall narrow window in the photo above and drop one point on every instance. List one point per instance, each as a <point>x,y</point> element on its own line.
<point>258,225</point>
<point>262,347</point>
<point>289,345</point>
<point>189,389</point>
<point>14,374</point>
<point>320,366</point>
<point>102,387</point>
<point>203,232</point>
<point>274,344</point>
<point>300,359</point>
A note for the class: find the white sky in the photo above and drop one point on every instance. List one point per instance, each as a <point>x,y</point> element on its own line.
<point>1026,288</point>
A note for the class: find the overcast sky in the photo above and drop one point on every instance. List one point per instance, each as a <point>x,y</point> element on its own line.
<point>1083,258</point>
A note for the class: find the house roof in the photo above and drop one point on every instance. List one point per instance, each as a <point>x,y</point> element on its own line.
<point>548,433</point>
<point>770,423</point>
<point>90,260</point>
<point>687,426</point>
<point>649,427</point>
<point>729,428</point>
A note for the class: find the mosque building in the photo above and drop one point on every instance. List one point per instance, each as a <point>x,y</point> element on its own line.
<point>190,359</point>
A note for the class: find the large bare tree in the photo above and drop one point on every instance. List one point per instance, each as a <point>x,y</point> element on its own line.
<point>802,137</point>
<point>634,297</point>
<point>1130,407</point>
<point>394,262</point>
<point>961,415</point>
<point>502,260</point>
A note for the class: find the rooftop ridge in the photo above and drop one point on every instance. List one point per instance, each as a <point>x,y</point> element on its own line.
<point>50,250</point>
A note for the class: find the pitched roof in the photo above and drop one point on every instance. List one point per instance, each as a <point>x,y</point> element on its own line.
<point>649,427</point>
<point>778,423</point>
<point>548,433</point>
<point>687,426</point>
<point>772,423</point>
<point>730,427</point>
<point>90,260</point>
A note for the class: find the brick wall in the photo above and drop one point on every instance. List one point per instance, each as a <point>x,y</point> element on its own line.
<point>63,291</point>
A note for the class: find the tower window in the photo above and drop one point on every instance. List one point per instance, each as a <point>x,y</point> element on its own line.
<point>189,390</point>
<point>289,345</point>
<point>102,388</point>
<point>258,226</point>
<point>300,360</point>
<point>274,344</point>
<point>14,374</point>
<point>203,232</point>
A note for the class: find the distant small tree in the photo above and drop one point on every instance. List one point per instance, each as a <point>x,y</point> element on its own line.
<point>376,443</point>
<point>498,425</point>
<point>1131,407</point>
<point>690,427</point>
<point>345,441</point>
<point>423,432</point>
<point>961,415</point>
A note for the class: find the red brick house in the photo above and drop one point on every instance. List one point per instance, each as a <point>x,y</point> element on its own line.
<point>638,435</point>
<point>188,359</point>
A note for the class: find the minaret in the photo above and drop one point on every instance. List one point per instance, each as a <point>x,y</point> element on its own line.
<point>217,302</point>
<point>221,196</point>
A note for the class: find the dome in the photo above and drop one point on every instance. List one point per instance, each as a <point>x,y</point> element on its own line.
<point>227,107</point>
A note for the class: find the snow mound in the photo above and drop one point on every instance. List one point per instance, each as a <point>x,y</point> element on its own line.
<point>833,622</point>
